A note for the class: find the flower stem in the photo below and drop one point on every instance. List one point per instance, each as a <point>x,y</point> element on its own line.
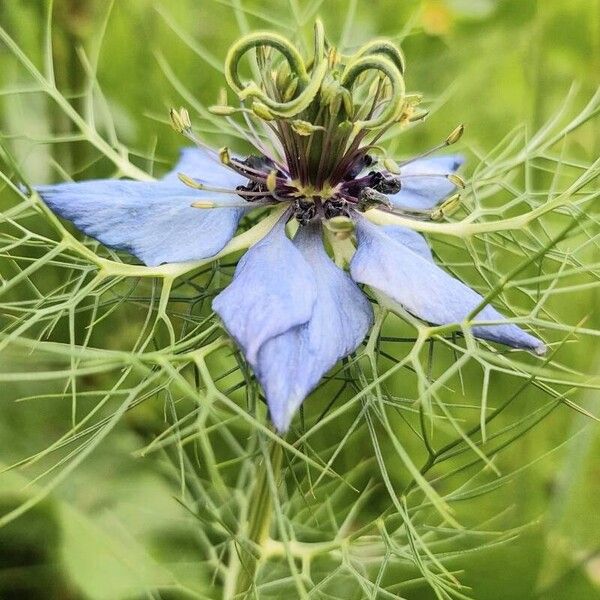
<point>259,520</point>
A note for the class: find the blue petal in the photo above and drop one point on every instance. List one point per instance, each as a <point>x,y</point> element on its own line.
<point>423,193</point>
<point>290,365</point>
<point>425,290</point>
<point>152,220</point>
<point>273,290</point>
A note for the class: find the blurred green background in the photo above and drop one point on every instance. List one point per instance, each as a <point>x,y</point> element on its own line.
<point>492,64</point>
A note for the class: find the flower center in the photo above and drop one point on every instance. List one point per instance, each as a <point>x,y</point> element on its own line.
<point>324,114</point>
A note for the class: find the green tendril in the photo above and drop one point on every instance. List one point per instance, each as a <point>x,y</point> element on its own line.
<point>369,62</point>
<point>261,40</point>
<point>307,85</point>
<point>319,38</point>
<point>383,48</point>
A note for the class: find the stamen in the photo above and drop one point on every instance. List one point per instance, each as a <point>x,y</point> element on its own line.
<point>271,181</point>
<point>456,180</point>
<point>370,198</point>
<point>180,120</point>
<point>197,185</point>
<point>455,135</point>
<point>450,176</point>
<point>446,208</point>
<point>304,128</point>
<point>452,138</point>
<point>189,181</point>
<point>225,156</point>
<point>391,165</point>
<point>434,214</point>
<point>221,110</point>
<point>206,204</point>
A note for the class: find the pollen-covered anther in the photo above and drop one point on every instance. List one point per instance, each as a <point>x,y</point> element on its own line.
<point>418,116</point>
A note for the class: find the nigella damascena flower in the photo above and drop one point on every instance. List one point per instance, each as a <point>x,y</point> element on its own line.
<point>315,125</point>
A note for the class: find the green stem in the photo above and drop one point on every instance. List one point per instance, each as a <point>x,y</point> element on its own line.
<point>259,520</point>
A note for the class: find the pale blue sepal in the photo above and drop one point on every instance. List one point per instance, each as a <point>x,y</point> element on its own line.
<point>273,290</point>
<point>420,190</point>
<point>424,289</point>
<point>291,365</point>
<point>411,239</point>
<point>152,220</point>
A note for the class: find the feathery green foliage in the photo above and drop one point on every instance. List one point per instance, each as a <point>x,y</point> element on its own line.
<point>384,488</point>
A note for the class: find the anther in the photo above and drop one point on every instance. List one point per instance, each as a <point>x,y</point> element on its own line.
<point>271,181</point>
<point>304,128</point>
<point>455,135</point>
<point>385,184</point>
<point>222,110</point>
<point>203,204</point>
<point>458,181</point>
<point>180,120</point>
<point>262,111</point>
<point>446,208</point>
<point>225,156</point>
<point>196,185</point>
<point>370,198</point>
<point>305,211</point>
<point>290,90</point>
<point>391,165</point>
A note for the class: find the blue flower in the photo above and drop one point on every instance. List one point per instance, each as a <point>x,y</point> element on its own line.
<point>294,312</point>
